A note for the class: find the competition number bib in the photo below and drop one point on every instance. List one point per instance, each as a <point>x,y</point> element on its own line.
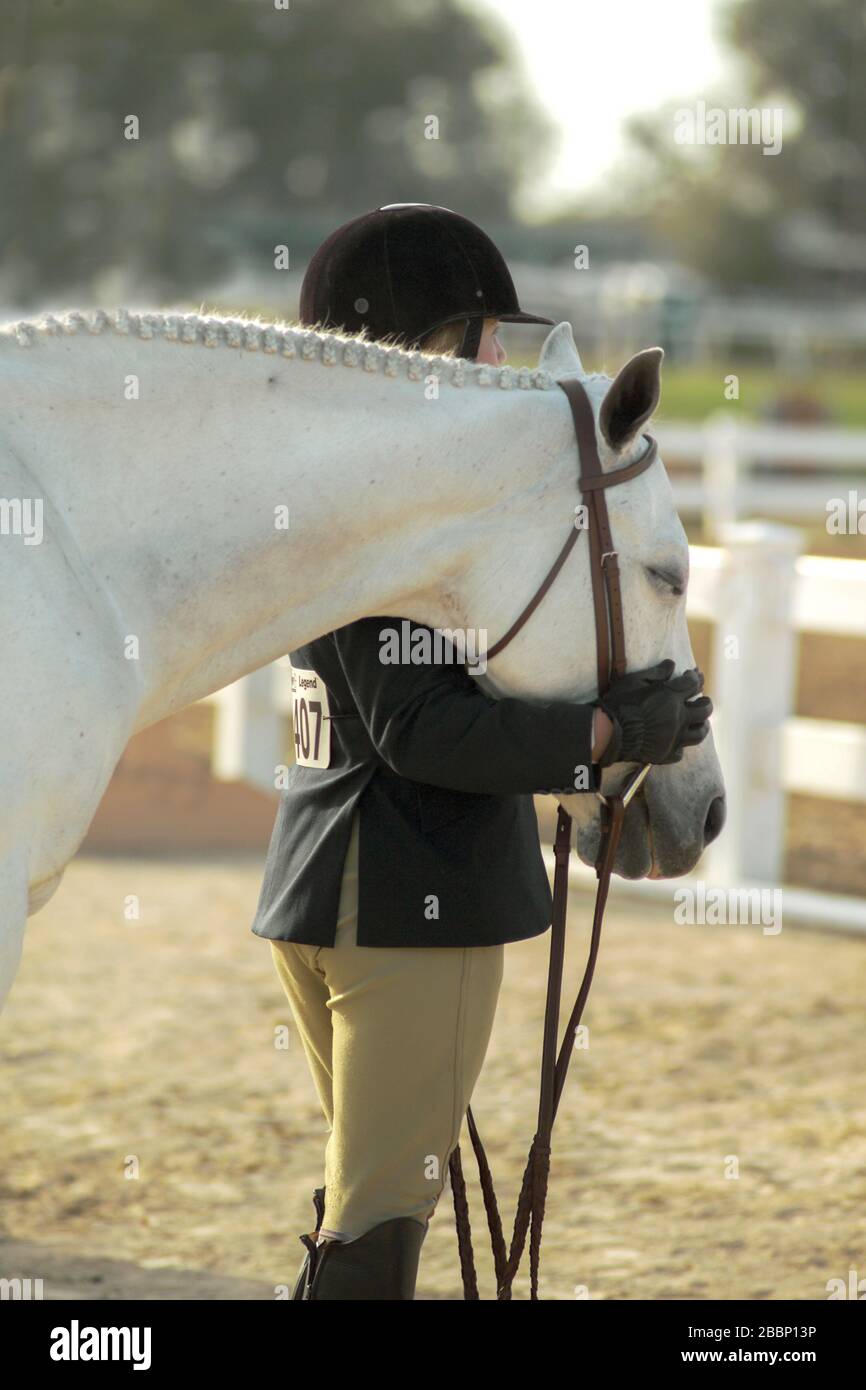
<point>311,718</point>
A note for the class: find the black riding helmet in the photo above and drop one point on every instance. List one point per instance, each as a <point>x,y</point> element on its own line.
<point>407,269</point>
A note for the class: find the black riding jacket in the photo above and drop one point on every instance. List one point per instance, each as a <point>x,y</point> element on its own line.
<point>443,777</point>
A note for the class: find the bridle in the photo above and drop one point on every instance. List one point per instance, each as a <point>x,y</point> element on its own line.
<point>610,662</point>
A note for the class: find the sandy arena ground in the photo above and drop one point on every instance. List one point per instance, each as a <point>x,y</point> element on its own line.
<point>711,1047</point>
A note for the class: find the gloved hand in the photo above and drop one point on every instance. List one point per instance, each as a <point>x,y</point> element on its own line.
<point>654,715</point>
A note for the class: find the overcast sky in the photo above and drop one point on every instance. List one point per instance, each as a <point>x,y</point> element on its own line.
<point>593,64</point>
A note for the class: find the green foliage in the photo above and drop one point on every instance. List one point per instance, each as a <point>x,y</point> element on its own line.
<point>258,126</point>
<point>795,220</point>
<point>811,53</point>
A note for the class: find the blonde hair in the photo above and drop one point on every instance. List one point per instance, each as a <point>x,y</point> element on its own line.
<point>444,341</point>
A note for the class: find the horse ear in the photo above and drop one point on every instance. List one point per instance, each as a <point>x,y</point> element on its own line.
<point>632,398</point>
<point>559,356</point>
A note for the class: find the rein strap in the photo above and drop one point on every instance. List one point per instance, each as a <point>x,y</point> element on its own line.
<point>610,661</point>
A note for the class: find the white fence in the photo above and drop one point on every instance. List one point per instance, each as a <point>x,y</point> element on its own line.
<point>250,726</point>
<point>760,593</point>
<point>727,487</point>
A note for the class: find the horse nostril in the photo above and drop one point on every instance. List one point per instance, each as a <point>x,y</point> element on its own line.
<point>715,820</point>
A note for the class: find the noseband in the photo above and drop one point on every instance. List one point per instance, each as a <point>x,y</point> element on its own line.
<point>610,663</point>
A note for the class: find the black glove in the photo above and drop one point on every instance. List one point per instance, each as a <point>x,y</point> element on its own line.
<point>654,716</point>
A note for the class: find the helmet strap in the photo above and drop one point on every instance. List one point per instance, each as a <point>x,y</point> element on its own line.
<point>471,338</point>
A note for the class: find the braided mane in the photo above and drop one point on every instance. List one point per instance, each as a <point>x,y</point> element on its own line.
<point>252,334</point>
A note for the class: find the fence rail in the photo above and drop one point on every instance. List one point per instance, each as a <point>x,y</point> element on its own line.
<point>726,453</point>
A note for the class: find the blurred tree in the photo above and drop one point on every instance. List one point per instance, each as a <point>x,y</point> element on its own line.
<point>257,125</point>
<point>813,52</point>
<point>799,216</point>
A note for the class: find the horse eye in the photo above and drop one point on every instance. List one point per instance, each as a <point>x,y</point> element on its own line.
<point>670,579</point>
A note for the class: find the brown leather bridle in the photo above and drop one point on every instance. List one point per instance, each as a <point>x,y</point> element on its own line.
<point>610,661</point>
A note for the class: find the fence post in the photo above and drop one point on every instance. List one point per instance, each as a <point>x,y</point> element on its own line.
<point>248,731</point>
<point>721,466</point>
<point>754,669</point>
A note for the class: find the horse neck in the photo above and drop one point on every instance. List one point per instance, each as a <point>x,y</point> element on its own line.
<point>171,498</point>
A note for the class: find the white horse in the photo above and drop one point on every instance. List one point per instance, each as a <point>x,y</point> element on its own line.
<point>165,453</point>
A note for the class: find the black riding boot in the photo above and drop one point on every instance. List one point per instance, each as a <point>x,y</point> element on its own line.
<point>319,1205</point>
<point>380,1265</point>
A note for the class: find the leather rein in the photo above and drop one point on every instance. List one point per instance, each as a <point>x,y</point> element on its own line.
<point>611,664</point>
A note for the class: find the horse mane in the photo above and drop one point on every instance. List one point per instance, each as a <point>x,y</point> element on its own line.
<point>290,340</point>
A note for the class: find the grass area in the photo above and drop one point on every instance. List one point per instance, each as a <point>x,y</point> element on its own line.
<point>693,392</point>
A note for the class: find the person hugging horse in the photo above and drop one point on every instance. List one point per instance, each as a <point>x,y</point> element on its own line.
<point>417,794</point>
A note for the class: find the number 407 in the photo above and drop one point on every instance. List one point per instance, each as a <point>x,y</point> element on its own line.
<point>302,710</point>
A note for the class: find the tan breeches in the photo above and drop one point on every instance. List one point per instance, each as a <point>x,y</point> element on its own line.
<point>395,1039</point>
